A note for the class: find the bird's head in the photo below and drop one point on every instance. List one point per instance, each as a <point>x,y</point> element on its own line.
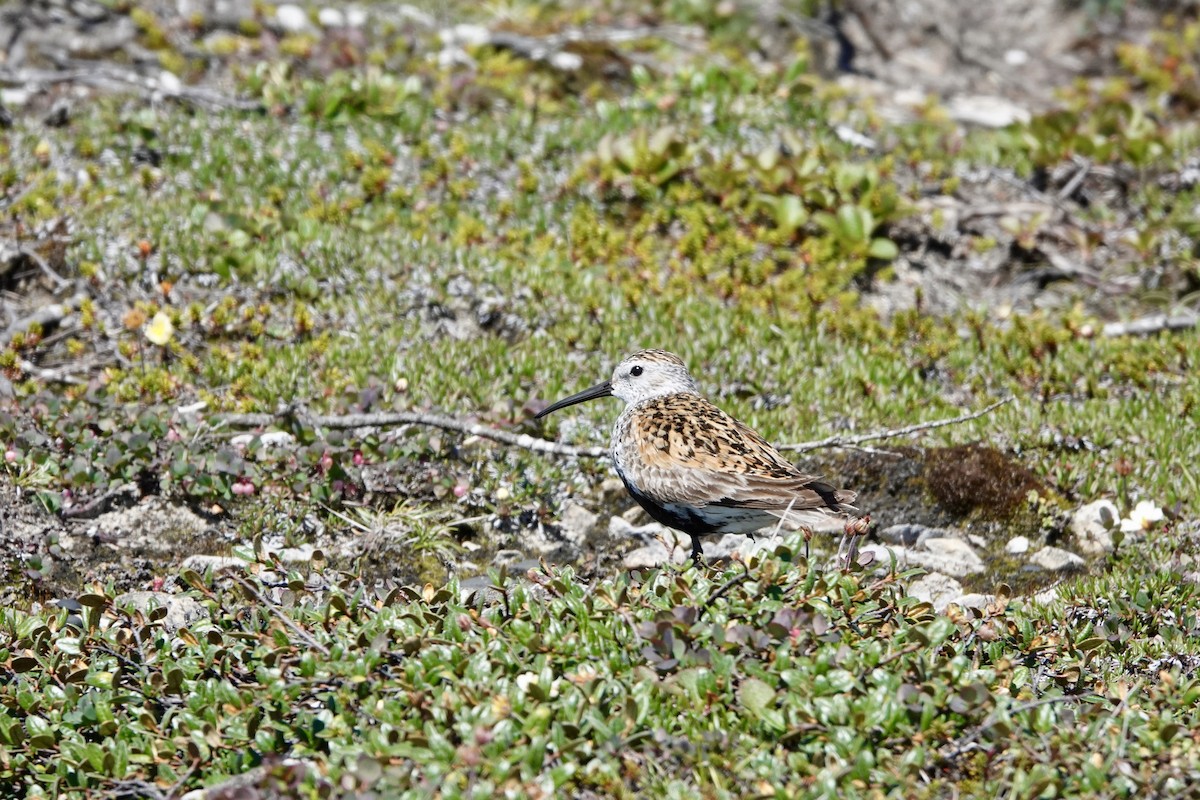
<point>641,376</point>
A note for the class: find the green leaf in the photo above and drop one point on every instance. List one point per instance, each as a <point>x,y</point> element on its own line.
<point>854,223</point>
<point>883,249</point>
<point>756,696</point>
<point>790,213</point>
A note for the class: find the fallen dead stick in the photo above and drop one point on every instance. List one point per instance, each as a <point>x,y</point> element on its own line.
<point>107,77</point>
<point>849,441</point>
<point>384,420</point>
<point>1144,326</point>
<point>524,440</point>
<point>45,316</point>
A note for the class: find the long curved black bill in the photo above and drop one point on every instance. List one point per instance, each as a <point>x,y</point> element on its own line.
<point>599,390</point>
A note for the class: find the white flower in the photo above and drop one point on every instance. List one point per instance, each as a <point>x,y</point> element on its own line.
<point>1142,518</point>
<point>525,679</point>
<point>160,329</point>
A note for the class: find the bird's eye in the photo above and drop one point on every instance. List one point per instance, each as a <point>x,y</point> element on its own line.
<point>635,371</point>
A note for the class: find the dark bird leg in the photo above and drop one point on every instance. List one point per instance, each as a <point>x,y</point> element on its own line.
<point>697,551</point>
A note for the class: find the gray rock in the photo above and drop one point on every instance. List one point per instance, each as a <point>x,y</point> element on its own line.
<point>637,516</point>
<point>1092,526</point>
<point>506,558</point>
<point>949,556</point>
<point>578,524</point>
<point>937,589</point>
<point>975,600</point>
<point>620,528</point>
<point>477,590</point>
<point>956,551</point>
<point>1055,559</point>
<point>910,534</point>
<point>649,556</point>
<point>202,563</point>
<point>669,547</point>
<point>1017,545</point>
<point>735,545</point>
<point>612,491</point>
<point>181,611</point>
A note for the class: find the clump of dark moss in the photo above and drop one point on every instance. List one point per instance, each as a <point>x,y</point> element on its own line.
<point>972,480</point>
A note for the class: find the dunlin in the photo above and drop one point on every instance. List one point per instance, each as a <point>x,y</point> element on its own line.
<point>695,468</point>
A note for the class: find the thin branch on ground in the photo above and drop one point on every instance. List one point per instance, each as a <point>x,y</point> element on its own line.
<point>61,375</point>
<point>97,504</point>
<point>282,617</point>
<point>45,316</point>
<point>970,739</point>
<point>108,77</point>
<point>43,265</point>
<point>546,48</point>
<point>527,442</point>
<point>389,419</point>
<point>723,590</point>
<point>1145,326</point>
<point>847,441</point>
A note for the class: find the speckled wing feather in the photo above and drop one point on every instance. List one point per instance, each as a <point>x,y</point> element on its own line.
<point>692,452</point>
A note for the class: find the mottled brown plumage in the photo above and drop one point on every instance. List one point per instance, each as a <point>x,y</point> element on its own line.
<point>695,468</point>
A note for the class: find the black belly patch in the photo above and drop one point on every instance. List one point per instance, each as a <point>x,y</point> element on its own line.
<point>688,521</point>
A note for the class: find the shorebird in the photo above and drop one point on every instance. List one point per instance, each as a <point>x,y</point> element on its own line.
<point>695,468</point>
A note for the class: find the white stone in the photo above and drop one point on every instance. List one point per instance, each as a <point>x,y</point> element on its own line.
<point>937,589</point>
<point>1015,57</point>
<point>853,137</point>
<point>1055,559</point>
<point>1092,526</point>
<point>1017,545</point>
<point>356,17</point>
<point>169,81</point>
<point>567,62</point>
<point>267,440</point>
<point>331,18</point>
<point>14,97</point>
<point>292,18</point>
<point>297,555</point>
<point>986,111</point>
<point>466,35</point>
<point>1048,596</point>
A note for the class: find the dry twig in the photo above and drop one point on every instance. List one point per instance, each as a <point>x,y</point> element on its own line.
<point>282,617</point>
<point>527,442</point>
<point>1144,326</point>
<point>45,316</point>
<point>382,420</point>
<point>848,441</point>
<point>108,77</point>
<point>43,265</point>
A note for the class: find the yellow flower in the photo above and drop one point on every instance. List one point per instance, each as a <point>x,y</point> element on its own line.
<point>160,329</point>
